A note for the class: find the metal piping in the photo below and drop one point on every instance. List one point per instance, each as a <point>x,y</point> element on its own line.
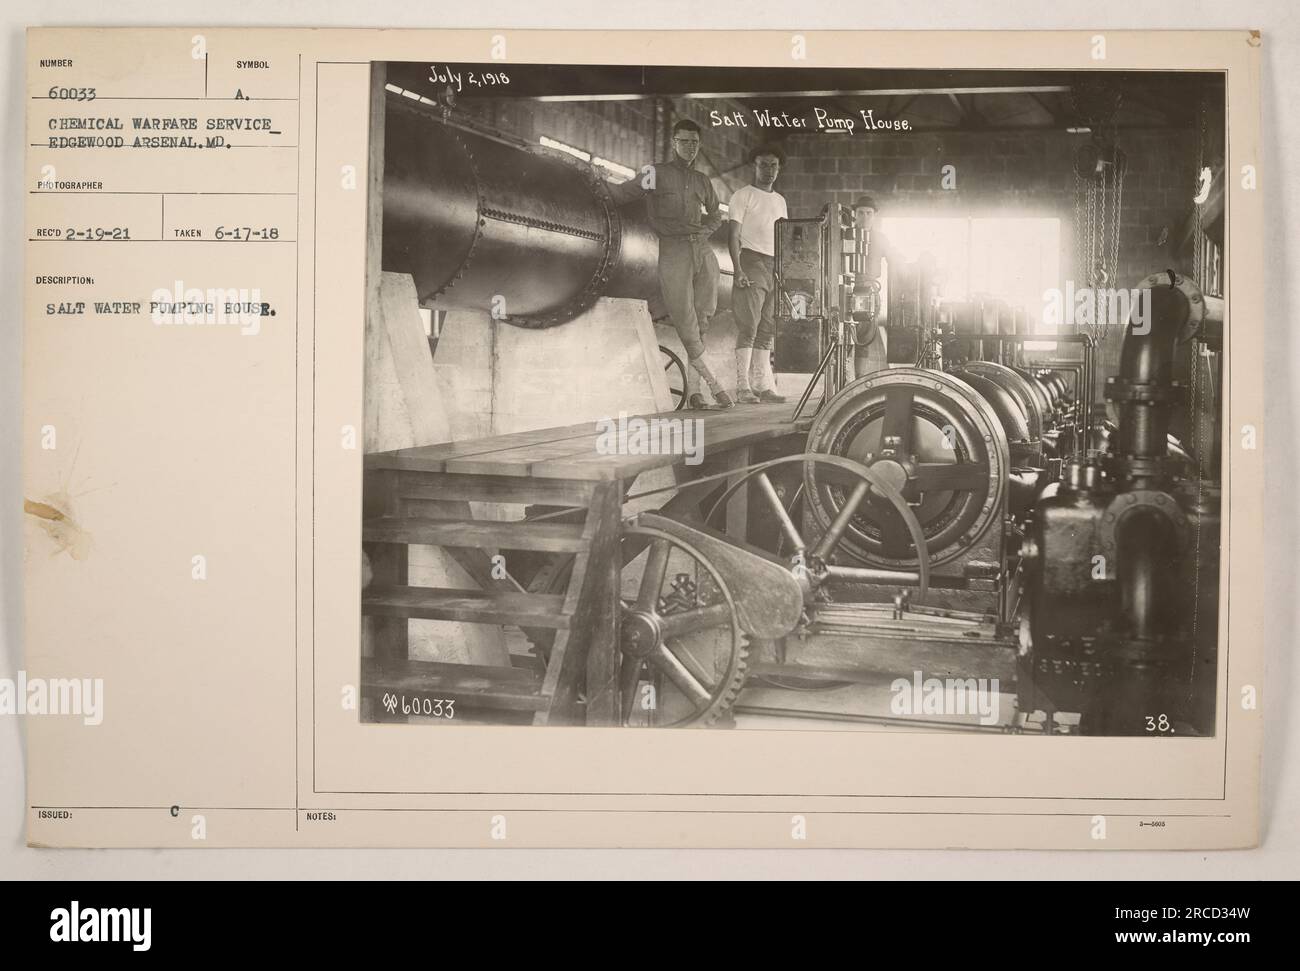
<point>1169,310</point>
<point>1146,546</point>
<point>528,236</point>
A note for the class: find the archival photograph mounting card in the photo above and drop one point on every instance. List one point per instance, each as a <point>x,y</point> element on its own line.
<point>660,439</point>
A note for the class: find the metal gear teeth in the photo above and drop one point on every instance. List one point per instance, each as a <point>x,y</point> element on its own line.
<point>727,701</point>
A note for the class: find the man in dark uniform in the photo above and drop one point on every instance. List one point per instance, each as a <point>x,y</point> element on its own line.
<point>683,210</point>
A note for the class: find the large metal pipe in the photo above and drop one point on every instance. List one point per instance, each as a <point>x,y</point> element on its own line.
<point>1147,549</point>
<point>1019,387</point>
<point>527,235</point>
<point>1008,409</point>
<point>1169,310</point>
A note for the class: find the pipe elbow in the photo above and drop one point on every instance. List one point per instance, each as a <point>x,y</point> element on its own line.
<point>1157,318</point>
<point>1166,310</point>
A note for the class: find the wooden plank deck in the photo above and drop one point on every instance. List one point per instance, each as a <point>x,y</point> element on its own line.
<point>571,453</point>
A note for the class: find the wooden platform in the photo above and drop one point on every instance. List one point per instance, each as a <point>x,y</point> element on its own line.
<point>571,452</point>
<point>411,498</point>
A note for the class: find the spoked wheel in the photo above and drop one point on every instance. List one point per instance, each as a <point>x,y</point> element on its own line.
<point>814,559</point>
<point>675,373</point>
<point>811,563</point>
<point>683,652</point>
<point>936,441</point>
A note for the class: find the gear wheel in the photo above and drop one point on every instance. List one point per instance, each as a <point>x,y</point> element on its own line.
<point>718,710</point>
<point>685,633</point>
<point>679,631</point>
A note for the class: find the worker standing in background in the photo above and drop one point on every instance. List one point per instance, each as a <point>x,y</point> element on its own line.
<point>753,213</point>
<point>683,209</point>
<point>872,353</point>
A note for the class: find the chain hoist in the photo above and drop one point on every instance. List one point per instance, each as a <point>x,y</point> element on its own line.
<point>1099,168</point>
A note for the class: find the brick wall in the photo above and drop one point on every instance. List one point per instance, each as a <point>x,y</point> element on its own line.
<point>621,131</point>
<point>1028,172</point>
<point>1009,174</point>
<point>724,152</point>
<point>997,174</point>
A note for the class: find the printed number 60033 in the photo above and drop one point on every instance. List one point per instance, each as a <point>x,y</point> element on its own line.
<point>430,707</point>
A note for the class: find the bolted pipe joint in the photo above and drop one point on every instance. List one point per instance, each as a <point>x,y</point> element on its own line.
<point>1169,310</point>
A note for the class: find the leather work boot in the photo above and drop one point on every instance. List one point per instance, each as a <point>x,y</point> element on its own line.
<point>746,397</point>
<point>767,394</point>
<point>723,401</point>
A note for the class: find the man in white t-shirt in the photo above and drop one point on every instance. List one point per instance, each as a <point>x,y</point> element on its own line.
<point>753,212</point>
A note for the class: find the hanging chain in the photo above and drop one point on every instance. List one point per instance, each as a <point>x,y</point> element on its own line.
<point>1112,185</point>
<point>1198,263</point>
<point>1104,270</point>
<point>1198,235</point>
<point>1196,423</point>
<point>1199,274</point>
<point>1118,164</point>
<point>1092,236</point>
<point>1102,233</point>
<point>1085,221</point>
<point>1080,236</point>
<point>1098,211</point>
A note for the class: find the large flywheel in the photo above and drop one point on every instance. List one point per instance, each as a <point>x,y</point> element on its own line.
<point>936,440</point>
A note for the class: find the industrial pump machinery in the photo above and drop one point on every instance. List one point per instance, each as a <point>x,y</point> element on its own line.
<point>972,505</point>
<point>1095,545</point>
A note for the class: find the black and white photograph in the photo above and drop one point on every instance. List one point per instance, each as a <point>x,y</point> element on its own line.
<point>658,441</point>
<point>836,399</point>
<point>794,399</point>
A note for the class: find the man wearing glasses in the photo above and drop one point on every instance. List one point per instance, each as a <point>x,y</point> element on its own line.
<point>683,210</point>
<point>753,212</point>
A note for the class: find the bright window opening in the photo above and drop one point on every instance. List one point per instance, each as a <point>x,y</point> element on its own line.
<point>1013,258</point>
